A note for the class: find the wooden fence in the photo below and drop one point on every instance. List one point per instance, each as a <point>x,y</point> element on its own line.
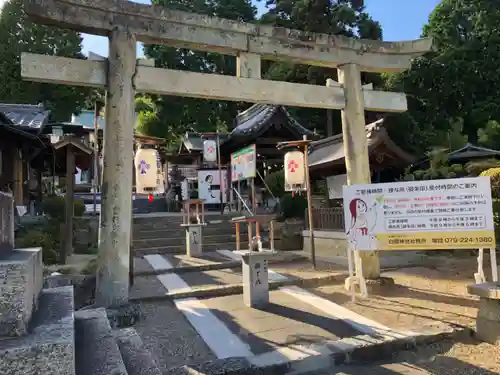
<point>327,219</point>
<point>6,221</point>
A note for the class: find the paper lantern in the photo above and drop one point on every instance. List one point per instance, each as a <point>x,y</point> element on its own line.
<point>146,168</point>
<point>294,168</point>
<point>210,151</point>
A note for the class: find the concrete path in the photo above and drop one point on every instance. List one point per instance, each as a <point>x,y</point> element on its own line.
<point>296,325</point>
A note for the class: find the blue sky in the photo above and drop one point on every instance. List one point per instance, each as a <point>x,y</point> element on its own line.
<point>400,19</point>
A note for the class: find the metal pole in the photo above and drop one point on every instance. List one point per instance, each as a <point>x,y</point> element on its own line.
<point>309,203</point>
<point>221,182</point>
<point>95,182</point>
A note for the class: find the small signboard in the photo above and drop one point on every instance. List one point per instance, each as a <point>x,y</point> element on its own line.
<point>210,151</point>
<point>420,215</point>
<point>335,185</point>
<point>244,164</point>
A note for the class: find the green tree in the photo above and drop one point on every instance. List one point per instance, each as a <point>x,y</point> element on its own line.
<point>19,34</point>
<point>489,136</point>
<point>337,17</point>
<point>172,116</point>
<point>459,78</point>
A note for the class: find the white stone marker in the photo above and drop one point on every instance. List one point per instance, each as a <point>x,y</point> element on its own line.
<point>194,243</point>
<point>256,277</point>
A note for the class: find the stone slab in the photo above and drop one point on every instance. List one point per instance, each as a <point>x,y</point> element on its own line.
<point>137,359</point>
<point>284,321</point>
<point>489,309</point>
<point>486,290</point>
<point>488,331</point>
<point>21,280</point>
<point>96,350</point>
<point>49,347</point>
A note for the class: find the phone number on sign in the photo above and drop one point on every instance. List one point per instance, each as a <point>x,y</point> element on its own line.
<point>463,240</point>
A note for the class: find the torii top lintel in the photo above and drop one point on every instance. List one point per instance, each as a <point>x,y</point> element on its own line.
<point>156,24</point>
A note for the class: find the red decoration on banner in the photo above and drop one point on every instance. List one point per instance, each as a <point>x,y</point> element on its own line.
<point>150,197</point>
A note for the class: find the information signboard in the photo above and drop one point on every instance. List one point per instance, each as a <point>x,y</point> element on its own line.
<point>244,163</point>
<point>420,215</point>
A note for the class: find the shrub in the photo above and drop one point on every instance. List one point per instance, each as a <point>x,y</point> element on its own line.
<point>494,174</point>
<point>43,237</point>
<point>55,207</point>
<point>293,207</point>
<point>276,183</point>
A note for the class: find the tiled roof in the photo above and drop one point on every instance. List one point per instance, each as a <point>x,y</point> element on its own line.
<point>256,120</point>
<point>331,149</point>
<point>28,115</point>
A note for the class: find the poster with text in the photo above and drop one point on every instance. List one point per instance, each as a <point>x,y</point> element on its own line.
<point>208,185</point>
<point>244,163</point>
<point>420,215</point>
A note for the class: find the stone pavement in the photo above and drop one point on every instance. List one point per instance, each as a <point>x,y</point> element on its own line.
<point>298,324</point>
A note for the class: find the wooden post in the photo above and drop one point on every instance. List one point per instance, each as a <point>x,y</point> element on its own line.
<point>249,228</point>
<point>116,200</point>
<point>309,203</point>
<point>18,178</point>
<point>95,181</point>
<point>70,191</point>
<point>271,234</point>
<point>238,240</point>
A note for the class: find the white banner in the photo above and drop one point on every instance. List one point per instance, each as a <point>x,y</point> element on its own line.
<point>420,215</point>
<point>208,185</point>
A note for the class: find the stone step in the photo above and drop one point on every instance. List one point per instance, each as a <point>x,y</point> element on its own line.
<point>180,240</point>
<point>181,249</point>
<point>49,347</point>
<point>137,359</point>
<point>96,349</point>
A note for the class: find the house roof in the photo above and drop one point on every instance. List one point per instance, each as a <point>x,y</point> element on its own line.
<point>472,151</point>
<point>331,150</point>
<point>28,115</point>
<point>194,141</point>
<point>255,121</point>
<point>74,142</point>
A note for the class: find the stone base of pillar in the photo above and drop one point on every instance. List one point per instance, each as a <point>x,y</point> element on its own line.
<point>256,277</point>
<point>194,239</point>
<point>488,315</point>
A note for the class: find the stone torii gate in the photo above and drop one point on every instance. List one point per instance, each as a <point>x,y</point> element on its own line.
<point>126,23</point>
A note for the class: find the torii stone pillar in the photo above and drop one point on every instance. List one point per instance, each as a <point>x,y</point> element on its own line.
<point>355,147</point>
<point>116,202</point>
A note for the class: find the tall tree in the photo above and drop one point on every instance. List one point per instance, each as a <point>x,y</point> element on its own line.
<point>173,116</point>
<point>19,34</point>
<point>459,79</point>
<point>338,17</point>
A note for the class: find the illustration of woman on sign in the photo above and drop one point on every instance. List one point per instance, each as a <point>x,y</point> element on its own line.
<point>363,220</point>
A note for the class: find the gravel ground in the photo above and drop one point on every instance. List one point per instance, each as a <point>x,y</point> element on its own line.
<point>169,337</point>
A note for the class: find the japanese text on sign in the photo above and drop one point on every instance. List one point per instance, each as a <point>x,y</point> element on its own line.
<point>423,215</point>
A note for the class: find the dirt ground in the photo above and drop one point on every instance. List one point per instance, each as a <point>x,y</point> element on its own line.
<point>425,298</point>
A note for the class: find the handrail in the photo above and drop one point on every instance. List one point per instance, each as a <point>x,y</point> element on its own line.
<point>242,201</point>
<point>267,187</point>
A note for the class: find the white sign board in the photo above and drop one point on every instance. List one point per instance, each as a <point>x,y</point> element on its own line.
<point>244,164</point>
<point>420,215</point>
<point>335,185</point>
<point>209,185</point>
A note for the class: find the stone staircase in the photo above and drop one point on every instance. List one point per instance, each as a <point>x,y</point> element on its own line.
<point>164,235</point>
<point>40,332</point>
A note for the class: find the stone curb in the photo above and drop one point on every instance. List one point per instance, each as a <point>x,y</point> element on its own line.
<point>226,290</point>
<point>218,266</point>
<point>357,349</point>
